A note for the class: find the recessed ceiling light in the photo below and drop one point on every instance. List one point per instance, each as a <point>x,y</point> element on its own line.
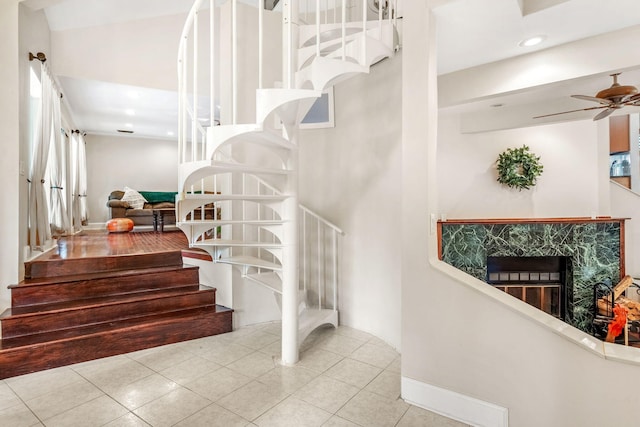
<point>532,41</point>
<point>170,133</point>
<point>129,125</point>
<point>130,112</point>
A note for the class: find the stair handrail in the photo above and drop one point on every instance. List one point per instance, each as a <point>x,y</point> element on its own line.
<point>321,219</point>
<point>186,114</point>
<point>262,182</point>
<point>392,6</point>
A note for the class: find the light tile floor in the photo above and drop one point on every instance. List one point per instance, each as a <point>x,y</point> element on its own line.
<point>345,378</point>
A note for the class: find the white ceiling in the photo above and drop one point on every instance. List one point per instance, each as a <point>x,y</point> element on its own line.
<point>470,33</point>
<point>473,32</point>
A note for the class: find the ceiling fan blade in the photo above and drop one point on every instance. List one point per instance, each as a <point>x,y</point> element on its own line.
<point>571,111</point>
<point>593,98</point>
<point>633,100</point>
<point>603,114</point>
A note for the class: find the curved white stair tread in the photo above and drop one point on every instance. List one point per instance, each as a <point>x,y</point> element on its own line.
<point>312,318</point>
<point>250,262</point>
<point>220,197</point>
<point>307,33</point>
<point>190,172</point>
<point>289,103</point>
<point>216,222</point>
<point>384,35</point>
<point>235,243</point>
<point>375,51</point>
<point>270,280</point>
<point>328,32</point>
<point>191,202</point>
<point>220,135</point>
<point>324,72</point>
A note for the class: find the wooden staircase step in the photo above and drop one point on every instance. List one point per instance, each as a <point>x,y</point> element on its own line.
<point>88,302</point>
<point>34,353</point>
<point>78,314</point>
<point>82,286</point>
<point>65,267</point>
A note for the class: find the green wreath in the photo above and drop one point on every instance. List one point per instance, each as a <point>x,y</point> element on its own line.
<point>518,168</point>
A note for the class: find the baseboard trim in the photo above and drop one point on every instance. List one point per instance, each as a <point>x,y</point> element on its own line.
<point>454,405</point>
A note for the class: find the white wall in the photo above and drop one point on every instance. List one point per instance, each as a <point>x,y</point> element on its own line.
<point>11,211</point>
<point>138,53</point>
<point>626,204</point>
<point>567,187</point>
<point>115,162</point>
<point>350,175</point>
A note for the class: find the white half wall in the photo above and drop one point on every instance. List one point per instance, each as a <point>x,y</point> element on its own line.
<point>139,163</point>
<point>350,174</point>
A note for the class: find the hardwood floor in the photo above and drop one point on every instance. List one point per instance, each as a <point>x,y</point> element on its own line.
<point>99,243</point>
<point>99,294</point>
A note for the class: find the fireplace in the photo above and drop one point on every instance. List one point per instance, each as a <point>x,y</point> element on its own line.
<point>594,247</point>
<point>541,281</point>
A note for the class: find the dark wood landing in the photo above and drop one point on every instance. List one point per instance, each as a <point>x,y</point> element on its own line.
<point>74,309</point>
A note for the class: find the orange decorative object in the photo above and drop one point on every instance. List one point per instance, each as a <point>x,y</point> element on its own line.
<point>618,323</point>
<point>119,225</point>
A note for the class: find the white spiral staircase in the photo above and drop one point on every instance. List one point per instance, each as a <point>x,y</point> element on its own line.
<point>237,190</point>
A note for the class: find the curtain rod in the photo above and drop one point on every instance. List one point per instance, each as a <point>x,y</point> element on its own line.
<point>42,58</point>
<point>79,132</point>
<point>39,56</point>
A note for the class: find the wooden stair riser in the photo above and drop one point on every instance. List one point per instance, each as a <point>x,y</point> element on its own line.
<point>137,281</point>
<point>65,267</point>
<point>48,321</point>
<point>31,358</point>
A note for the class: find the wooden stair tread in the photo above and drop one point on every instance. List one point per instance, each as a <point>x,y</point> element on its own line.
<point>79,317</point>
<point>41,281</point>
<point>99,286</point>
<point>55,267</point>
<point>89,303</point>
<point>25,355</point>
<point>110,327</point>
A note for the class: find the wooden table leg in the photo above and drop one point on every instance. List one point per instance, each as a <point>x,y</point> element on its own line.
<point>155,220</point>
<point>161,221</point>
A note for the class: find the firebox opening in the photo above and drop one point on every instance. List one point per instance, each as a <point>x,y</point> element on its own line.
<point>540,281</point>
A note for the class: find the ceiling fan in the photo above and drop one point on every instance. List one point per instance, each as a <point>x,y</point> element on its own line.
<point>611,99</point>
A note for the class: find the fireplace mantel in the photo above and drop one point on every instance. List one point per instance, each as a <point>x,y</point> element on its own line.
<point>570,220</point>
<point>596,246</point>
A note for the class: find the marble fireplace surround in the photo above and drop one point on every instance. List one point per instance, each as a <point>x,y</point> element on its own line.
<point>595,246</point>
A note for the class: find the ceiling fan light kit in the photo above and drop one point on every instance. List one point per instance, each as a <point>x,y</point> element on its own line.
<point>611,99</point>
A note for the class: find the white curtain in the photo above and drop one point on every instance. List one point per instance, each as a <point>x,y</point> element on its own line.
<point>46,129</point>
<point>79,174</point>
<point>57,168</point>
